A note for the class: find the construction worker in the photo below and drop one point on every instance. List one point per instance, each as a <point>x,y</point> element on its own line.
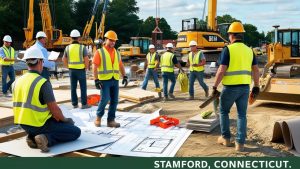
<point>237,65</point>
<point>107,65</point>
<point>77,60</point>
<point>167,62</point>
<point>7,60</point>
<point>41,39</point>
<point>151,63</point>
<point>196,62</point>
<point>35,108</point>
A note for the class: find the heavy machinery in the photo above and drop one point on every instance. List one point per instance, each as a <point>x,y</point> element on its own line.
<point>100,30</point>
<point>56,39</point>
<point>207,36</point>
<point>280,79</point>
<point>137,47</point>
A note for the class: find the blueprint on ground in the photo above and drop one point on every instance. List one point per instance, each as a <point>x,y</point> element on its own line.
<point>135,137</point>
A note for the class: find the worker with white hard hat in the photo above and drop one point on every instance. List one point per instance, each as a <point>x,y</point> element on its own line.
<point>196,62</point>
<point>151,65</point>
<point>35,108</point>
<point>41,40</point>
<point>76,59</point>
<point>7,60</point>
<point>167,62</point>
<point>238,65</point>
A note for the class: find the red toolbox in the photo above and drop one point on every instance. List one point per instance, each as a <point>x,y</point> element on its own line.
<point>164,122</point>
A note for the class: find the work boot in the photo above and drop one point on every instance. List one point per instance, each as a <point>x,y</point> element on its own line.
<point>191,98</point>
<point>85,106</point>
<point>239,147</point>
<point>75,106</point>
<point>7,95</point>
<point>42,142</point>
<point>166,98</point>
<point>172,96</point>
<point>224,141</point>
<point>113,123</point>
<point>206,92</point>
<point>30,142</point>
<point>97,122</point>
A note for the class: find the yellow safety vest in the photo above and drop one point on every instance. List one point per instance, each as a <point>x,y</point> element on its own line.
<point>240,65</point>
<point>151,60</point>
<point>195,60</point>
<point>27,107</point>
<point>166,62</point>
<point>9,54</point>
<point>75,56</point>
<point>106,69</point>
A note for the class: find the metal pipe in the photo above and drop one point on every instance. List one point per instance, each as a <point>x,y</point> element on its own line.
<point>276,33</point>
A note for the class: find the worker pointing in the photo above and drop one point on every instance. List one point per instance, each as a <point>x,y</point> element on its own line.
<point>196,62</point>
<point>107,65</point>
<point>41,39</point>
<point>76,59</point>
<point>7,60</point>
<point>167,62</point>
<point>237,65</point>
<point>35,108</point>
<point>151,65</point>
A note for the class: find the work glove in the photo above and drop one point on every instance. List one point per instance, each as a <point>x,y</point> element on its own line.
<point>98,84</point>
<point>125,81</point>
<point>68,120</point>
<point>255,92</point>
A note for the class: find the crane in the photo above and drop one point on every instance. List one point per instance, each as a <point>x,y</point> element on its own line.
<point>100,30</point>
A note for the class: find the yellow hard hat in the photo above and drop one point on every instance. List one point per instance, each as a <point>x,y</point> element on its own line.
<point>111,35</point>
<point>236,27</point>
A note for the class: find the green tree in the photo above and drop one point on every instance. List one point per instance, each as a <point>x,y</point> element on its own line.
<point>226,19</point>
<point>63,15</point>
<point>252,37</point>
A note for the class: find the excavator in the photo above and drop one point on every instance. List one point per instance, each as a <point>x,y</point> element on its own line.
<point>207,36</point>
<point>280,79</point>
<point>56,39</point>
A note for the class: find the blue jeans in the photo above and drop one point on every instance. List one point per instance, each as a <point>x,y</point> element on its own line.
<point>75,76</point>
<point>56,132</point>
<point>238,95</point>
<point>153,73</point>
<point>7,70</point>
<point>166,76</point>
<point>45,73</point>
<point>109,92</point>
<point>199,76</point>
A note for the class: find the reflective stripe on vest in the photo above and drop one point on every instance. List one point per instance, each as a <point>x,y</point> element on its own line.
<point>240,65</point>
<point>151,60</point>
<point>75,56</point>
<point>166,62</point>
<point>108,70</point>
<point>27,107</point>
<point>195,60</point>
<point>9,54</point>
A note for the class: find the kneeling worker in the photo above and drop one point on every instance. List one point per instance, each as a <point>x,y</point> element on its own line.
<point>36,110</point>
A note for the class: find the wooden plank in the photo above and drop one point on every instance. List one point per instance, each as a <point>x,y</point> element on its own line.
<point>6,117</point>
<point>75,154</point>
<point>12,136</point>
<point>138,95</point>
<point>3,154</point>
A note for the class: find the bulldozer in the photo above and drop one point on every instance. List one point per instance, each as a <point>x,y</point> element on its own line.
<point>280,79</point>
<point>208,37</point>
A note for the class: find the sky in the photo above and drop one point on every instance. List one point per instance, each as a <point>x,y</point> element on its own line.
<point>261,13</point>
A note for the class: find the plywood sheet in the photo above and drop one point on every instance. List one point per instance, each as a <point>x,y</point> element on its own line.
<point>6,117</point>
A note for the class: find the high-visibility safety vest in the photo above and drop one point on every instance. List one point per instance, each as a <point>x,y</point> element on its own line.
<point>75,56</point>
<point>166,61</point>
<point>108,70</point>
<point>9,54</point>
<point>240,65</point>
<point>151,60</point>
<point>195,60</point>
<point>27,107</point>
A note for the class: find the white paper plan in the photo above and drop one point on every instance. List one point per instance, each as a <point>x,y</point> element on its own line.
<point>135,137</point>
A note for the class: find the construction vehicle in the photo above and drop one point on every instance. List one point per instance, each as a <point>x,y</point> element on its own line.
<point>56,39</point>
<point>207,36</point>
<point>137,47</point>
<point>100,30</point>
<point>280,79</point>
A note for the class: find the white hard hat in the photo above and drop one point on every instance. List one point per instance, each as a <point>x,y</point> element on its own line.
<point>169,45</point>
<point>151,46</point>
<point>193,43</point>
<point>75,33</point>
<point>7,38</point>
<point>33,53</point>
<point>41,34</point>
